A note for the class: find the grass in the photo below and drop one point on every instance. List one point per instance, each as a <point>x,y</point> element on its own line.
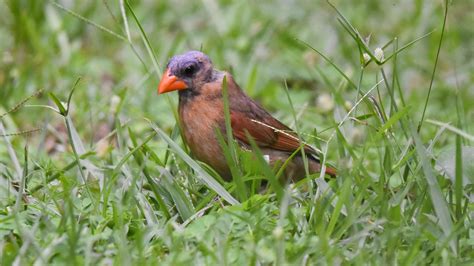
<point>93,169</point>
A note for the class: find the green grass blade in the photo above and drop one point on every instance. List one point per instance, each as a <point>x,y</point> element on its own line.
<point>394,119</point>
<point>148,46</point>
<point>341,200</point>
<point>88,21</point>
<point>446,8</point>
<point>202,175</point>
<point>153,185</point>
<point>439,202</point>
<point>274,181</point>
<point>231,145</point>
<point>21,103</point>
<point>59,104</point>
<point>458,182</point>
<point>452,129</point>
<point>183,204</point>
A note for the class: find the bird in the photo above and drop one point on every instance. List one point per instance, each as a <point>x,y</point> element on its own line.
<point>201,113</point>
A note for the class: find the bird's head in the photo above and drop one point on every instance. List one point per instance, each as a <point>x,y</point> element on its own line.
<point>188,71</point>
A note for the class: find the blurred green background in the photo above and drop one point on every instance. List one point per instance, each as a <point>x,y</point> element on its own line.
<point>45,47</point>
<point>48,45</point>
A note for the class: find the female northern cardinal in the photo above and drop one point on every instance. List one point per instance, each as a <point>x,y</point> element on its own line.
<point>201,110</point>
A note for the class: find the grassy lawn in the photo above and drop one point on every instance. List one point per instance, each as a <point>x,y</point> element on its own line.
<point>93,169</point>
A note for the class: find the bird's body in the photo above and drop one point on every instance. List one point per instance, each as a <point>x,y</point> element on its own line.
<point>201,111</point>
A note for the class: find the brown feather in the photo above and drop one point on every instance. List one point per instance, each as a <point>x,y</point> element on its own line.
<point>248,116</point>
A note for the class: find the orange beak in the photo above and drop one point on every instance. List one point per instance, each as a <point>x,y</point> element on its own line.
<point>170,82</point>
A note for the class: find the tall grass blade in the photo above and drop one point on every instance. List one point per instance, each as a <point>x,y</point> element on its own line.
<point>439,202</point>
<point>21,103</point>
<point>11,153</point>
<point>452,129</point>
<point>138,155</point>
<point>231,145</point>
<point>268,172</point>
<point>458,183</point>
<point>183,204</point>
<point>446,7</point>
<point>202,175</point>
<point>88,21</point>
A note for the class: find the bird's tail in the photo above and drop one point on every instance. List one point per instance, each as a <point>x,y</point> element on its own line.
<point>331,171</point>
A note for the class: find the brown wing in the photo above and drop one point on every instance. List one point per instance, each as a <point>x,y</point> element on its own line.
<point>267,133</point>
<point>248,116</point>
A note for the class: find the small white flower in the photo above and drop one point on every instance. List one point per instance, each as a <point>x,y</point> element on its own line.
<point>278,232</point>
<point>325,103</point>
<point>366,57</point>
<point>378,53</point>
<point>266,157</point>
<point>114,103</point>
<point>348,105</point>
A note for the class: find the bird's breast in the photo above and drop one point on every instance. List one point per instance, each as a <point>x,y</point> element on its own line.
<point>200,118</point>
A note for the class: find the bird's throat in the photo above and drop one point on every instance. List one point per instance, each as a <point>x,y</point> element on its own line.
<point>187,95</point>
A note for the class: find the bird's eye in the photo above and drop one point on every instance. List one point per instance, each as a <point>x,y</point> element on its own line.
<point>189,70</point>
